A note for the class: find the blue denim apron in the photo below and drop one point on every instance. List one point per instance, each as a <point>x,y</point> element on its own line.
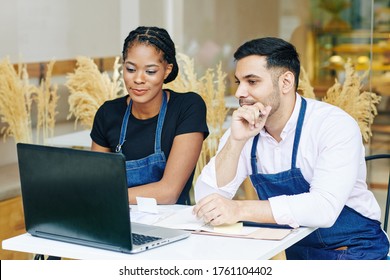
<point>151,168</point>
<point>362,236</point>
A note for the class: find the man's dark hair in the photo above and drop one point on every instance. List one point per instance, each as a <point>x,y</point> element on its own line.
<point>278,53</point>
<point>160,39</point>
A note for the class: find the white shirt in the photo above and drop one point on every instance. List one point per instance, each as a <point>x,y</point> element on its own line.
<point>331,159</point>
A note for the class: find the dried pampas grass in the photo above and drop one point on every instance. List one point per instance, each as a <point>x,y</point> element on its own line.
<point>304,85</point>
<point>89,89</point>
<point>187,79</point>
<point>349,97</point>
<point>16,99</point>
<point>211,86</point>
<point>15,102</point>
<point>360,105</point>
<point>46,98</point>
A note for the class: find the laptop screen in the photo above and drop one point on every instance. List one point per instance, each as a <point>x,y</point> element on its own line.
<point>74,195</point>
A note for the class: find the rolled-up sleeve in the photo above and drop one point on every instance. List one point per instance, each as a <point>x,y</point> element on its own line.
<point>207,184</point>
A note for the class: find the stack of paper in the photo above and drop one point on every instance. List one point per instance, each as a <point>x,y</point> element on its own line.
<point>149,213</point>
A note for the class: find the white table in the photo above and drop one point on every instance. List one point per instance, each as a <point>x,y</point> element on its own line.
<point>196,247</point>
<point>79,139</point>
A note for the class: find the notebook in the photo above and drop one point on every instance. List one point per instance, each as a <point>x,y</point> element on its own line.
<point>81,197</point>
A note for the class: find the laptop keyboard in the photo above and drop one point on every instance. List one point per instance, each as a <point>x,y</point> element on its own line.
<point>139,239</point>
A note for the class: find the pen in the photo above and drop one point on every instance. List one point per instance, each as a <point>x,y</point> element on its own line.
<point>267,225</point>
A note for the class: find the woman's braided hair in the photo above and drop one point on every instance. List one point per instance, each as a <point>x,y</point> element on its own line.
<point>160,39</point>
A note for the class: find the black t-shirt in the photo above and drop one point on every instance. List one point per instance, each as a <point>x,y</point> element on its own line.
<point>186,113</point>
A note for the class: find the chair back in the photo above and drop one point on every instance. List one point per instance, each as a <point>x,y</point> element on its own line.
<point>387,204</point>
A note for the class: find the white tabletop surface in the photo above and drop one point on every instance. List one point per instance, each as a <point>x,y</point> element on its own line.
<point>196,247</point>
<point>79,139</point>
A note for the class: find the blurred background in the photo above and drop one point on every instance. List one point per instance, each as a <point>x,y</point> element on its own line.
<point>326,33</point>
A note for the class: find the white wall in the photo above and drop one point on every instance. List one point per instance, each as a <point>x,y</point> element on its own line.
<point>41,30</point>
<point>129,17</point>
<point>8,28</point>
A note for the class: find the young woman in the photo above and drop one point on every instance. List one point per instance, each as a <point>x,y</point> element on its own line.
<point>160,132</point>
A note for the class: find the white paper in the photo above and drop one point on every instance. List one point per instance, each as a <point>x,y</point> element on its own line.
<point>182,219</point>
<point>144,218</point>
<point>147,205</point>
<point>148,218</point>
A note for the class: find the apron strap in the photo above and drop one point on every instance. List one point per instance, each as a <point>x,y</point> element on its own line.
<point>253,154</point>
<point>297,138</point>
<point>298,132</point>
<point>122,135</point>
<point>160,122</point>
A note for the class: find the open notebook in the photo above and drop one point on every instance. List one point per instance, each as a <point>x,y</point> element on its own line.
<point>184,219</point>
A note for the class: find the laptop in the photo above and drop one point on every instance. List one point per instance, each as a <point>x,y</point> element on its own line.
<point>81,197</point>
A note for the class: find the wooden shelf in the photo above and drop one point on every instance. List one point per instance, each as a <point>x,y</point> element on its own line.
<point>362,48</point>
<point>12,224</point>
<point>63,67</point>
<point>358,67</point>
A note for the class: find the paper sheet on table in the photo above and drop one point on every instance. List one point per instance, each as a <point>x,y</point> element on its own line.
<point>144,218</point>
<point>184,219</point>
<point>147,205</point>
<point>147,212</point>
